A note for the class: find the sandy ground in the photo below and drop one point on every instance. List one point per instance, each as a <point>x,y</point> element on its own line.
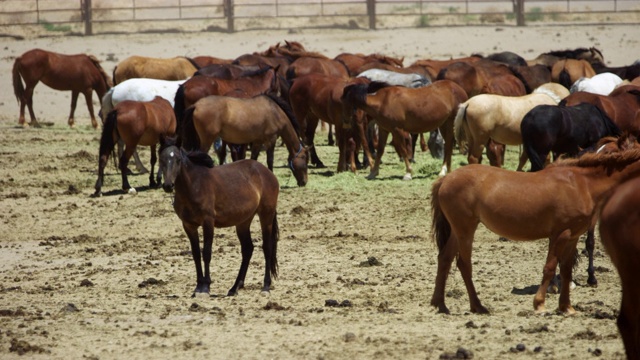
<point>112,277</point>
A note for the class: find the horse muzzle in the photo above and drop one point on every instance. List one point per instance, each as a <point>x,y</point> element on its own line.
<point>168,188</point>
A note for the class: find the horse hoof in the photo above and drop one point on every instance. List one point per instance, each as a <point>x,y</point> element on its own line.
<point>371,176</point>
<point>265,293</point>
<point>96,194</point>
<point>132,191</point>
<point>407,177</point>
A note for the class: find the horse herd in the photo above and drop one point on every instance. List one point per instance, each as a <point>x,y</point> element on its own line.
<point>561,104</point>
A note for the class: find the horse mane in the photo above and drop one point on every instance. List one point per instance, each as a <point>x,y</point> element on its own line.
<point>386,59</point>
<point>104,74</point>
<point>193,62</point>
<point>199,157</point>
<point>286,108</point>
<point>374,86</point>
<point>257,72</point>
<point>516,72</point>
<point>568,53</point>
<point>611,160</point>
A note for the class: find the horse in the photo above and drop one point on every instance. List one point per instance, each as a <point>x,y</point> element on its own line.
<point>533,76</point>
<point>497,117</point>
<point>568,71</point>
<point>620,235</point>
<point>560,202</point>
<point>563,130</point>
<point>484,77</point>
<point>592,55</point>
<point>258,120</point>
<point>176,68</point>
<point>411,80</point>
<point>316,63</point>
<point>136,123</point>
<point>228,71</point>
<point>198,87</point>
<point>433,67</point>
<point>204,61</point>
<point>79,73</point>
<point>354,62</point>
<point>622,105</point>
<point>396,108</point>
<point>628,72</point>
<point>315,97</point>
<point>138,89</point>
<point>602,83</point>
<point>222,196</point>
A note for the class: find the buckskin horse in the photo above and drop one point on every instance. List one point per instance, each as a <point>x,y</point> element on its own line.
<point>177,68</point>
<point>78,73</point>
<point>222,196</point>
<point>560,202</point>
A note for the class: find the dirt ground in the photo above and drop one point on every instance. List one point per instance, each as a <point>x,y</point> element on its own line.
<point>112,277</point>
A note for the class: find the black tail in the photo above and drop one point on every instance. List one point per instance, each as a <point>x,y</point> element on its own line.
<point>114,75</point>
<point>18,88</point>
<point>275,236</point>
<point>612,128</point>
<point>188,135</point>
<point>516,72</point>
<point>107,143</point>
<point>440,226</point>
<point>178,107</point>
<point>564,79</point>
<point>442,73</point>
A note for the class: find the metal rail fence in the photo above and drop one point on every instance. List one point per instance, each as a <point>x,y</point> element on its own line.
<point>107,16</point>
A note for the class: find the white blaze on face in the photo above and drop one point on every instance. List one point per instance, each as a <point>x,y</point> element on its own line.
<point>171,154</point>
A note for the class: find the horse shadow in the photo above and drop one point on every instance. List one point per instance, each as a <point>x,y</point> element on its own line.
<point>138,189</point>
<point>527,290</point>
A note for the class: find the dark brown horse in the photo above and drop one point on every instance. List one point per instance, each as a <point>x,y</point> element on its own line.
<point>223,196</point>
<point>396,108</point>
<point>257,121</point>
<point>620,234</point>
<point>592,55</point>
<point>560,202</point>
<point>78,73</point>
<point>136,123</point>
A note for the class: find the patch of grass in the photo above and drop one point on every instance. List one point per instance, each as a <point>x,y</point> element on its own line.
<point>453,9</point>
<point>534,15</point>
<point>53,27</point>
<point>424,21</point>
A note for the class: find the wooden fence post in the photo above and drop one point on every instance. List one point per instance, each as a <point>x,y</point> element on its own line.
<point>86,14</point>
<point>228,12</point>
<point>519,7</point>
<point>371,11</point>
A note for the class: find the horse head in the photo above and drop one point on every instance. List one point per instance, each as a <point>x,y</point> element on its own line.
<point>298,165</point>
<point>171,158</point>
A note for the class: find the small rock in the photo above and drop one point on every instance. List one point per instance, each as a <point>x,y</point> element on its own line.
<point>521,347</point>
<point>331,303</point>
<point>70,308</point>
<point>86,282</point>
<point>349,337</point>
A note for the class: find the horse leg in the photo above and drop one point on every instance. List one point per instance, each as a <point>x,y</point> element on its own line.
<point>590,245</point>
<point>423,143</point>
<point>445,259</point>
<point>464,265</point>
<point>28,99</point>
<point>154,184</point>
<point>364,142</point>
<point>382,141</point>
<point>446,130</point>
<point>330,136</point>
<point>270,151</point>
<point>310,133</point>
<point>202,283</point>
<point>88,97</point>
<point>269,227</point>
<point>403,146</point>
<point>523,160</point>
<point>124,162</point>
<point>246,245</point>
<point>74,102</point>
<point>567,260</point>
<point>102,163</point>
<point>139,166</point>
<point>548,272</point>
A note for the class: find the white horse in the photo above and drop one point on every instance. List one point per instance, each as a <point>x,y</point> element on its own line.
<point>410,80</point>
<point>602,84</point>
<point>138,89</point>
<point>497,117</point>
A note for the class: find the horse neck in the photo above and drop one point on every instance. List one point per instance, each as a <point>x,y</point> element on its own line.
<point>600,185</point>
<point>291,139</point>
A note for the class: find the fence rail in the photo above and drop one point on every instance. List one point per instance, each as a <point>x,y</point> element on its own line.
<point>104,16</point>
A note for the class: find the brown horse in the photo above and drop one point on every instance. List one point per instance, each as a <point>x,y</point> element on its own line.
<point>136,123</point>
<point>622,105</point>
<point>78,73</point>
<point>560,202</point>
<point>258,121</point>
<point>315,97</point>
<point>354,62</point>
<point>316,64</point>
<point>177,68</point>
<point>418,110</point>
<point>568,71</point>
<point>198,87</point>
<point>204,60</point>
<point>223,196</point>
<point>433,67</point>
<point>497,117</point>
<point>620,234</point>
<point>484,77</point>
<point>592,55</point>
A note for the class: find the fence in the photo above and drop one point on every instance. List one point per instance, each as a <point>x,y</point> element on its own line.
<point>107,16</point>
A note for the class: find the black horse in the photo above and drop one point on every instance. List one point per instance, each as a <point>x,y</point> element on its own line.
<point>628,72</point>
<point>563,130</point>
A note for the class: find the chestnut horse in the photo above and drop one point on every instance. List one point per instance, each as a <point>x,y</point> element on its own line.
<point>137,123</point>
<point>419,110</point>
<point>223,196</point>
<point>177,68</point>
<point>497,117</point>
<point>254,83</point>
<point>78,73</point>
<point>258,121</point>
<point>560,202</point>
<point>354,62</point>
<point>620,234</point>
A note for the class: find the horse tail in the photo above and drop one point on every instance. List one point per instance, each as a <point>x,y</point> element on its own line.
<point>564,79</point>
<point>114,75</point>
<point>442,73</point>
<point>374,86</point>
<point>527,132</point>
<point>107,142</point>
<point>273,253</point>
<point>516,72</point>
<point>285,87</point>
<point>18,88</point>
<point>611,127</point>
<point>105,76</point>
<point>460,122</point>
<point>290,74</point>
<point>178,107</point>
<point>188,135</point>
<point>440,227</point>
<point>287,110</point>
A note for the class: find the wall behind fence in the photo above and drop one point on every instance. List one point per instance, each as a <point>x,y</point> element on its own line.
<point>108,16</point>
